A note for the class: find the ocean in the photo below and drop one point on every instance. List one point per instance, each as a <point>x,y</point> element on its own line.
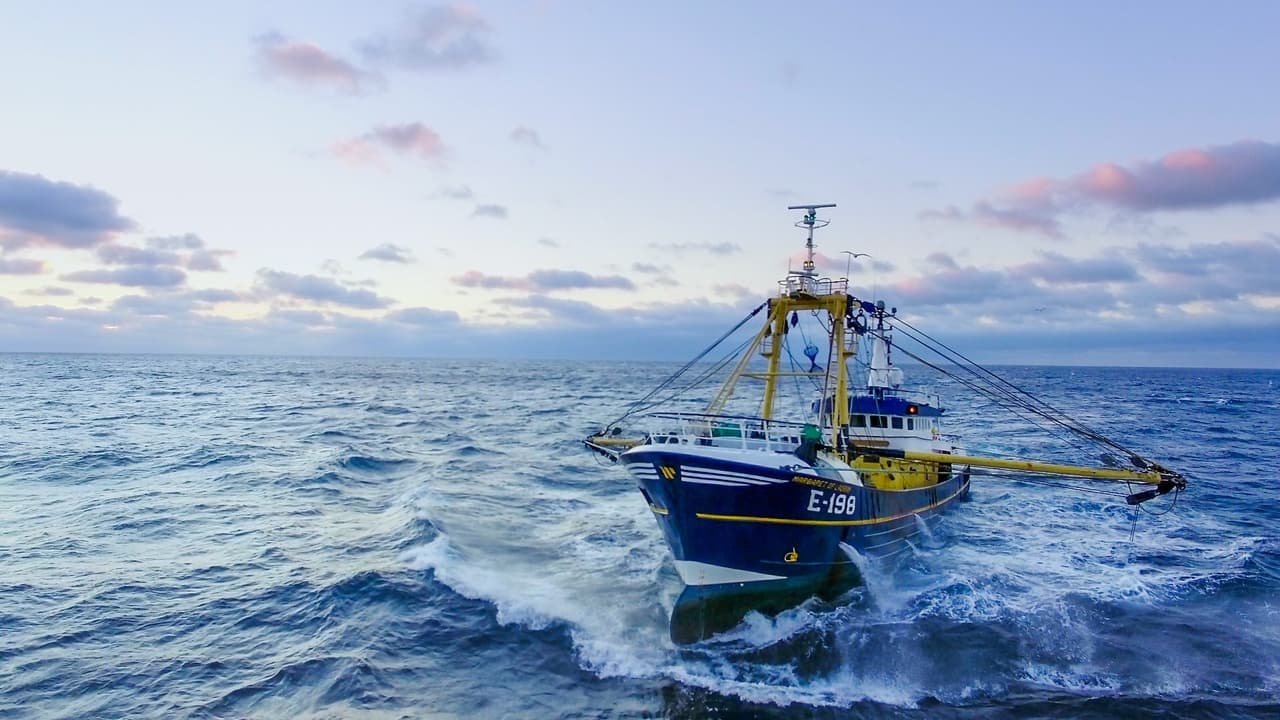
<point>227,537</point>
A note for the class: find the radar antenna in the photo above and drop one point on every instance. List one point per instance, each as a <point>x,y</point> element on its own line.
<point>811,222</point>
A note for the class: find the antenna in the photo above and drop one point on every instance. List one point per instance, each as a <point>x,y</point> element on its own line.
<point>811,222</point>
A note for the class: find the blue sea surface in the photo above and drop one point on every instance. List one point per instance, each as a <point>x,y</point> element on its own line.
<point>225,537</point>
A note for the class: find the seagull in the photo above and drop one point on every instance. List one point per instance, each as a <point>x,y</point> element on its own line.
<point>849,262</point>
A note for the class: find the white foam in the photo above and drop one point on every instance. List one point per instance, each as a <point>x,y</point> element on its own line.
<point>603,571</point>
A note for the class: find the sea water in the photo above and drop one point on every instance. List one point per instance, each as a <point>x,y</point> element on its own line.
<point>222,537</point>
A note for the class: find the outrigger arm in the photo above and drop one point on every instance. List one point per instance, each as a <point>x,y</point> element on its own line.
<point>1164,479</point>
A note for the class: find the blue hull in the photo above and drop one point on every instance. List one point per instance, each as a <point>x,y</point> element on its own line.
<point>757,536</point>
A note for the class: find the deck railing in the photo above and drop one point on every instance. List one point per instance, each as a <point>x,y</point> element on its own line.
<point>732,431</point>
<point>808,285</point>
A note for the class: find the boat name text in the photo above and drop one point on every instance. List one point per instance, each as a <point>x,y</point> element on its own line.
<point>820,483</point>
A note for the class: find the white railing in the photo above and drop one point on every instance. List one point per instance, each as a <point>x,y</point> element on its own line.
<point>916,396</point>
<point>728,431</point>
<point>806,284</point>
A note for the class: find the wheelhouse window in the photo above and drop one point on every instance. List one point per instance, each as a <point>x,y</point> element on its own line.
<point>897,422</point>
<point>859,420</point>
<point>879,421</point>
<point>911,423</point>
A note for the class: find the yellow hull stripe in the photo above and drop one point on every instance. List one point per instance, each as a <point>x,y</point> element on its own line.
<point>793,521</point>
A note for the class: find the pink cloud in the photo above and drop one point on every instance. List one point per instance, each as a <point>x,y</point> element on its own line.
<point>21,266</point>
<point>411,139</point>
<point>1035,190</point>
<point>306,63</point>
<point>1194,159</point>
<point>1241,173</point>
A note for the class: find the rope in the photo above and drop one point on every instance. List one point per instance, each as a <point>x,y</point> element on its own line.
<point>1014,393</point>
<point>634,408</point>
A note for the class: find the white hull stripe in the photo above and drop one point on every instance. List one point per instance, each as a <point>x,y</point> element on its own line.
<point>697,573</point>
<point>706,476</point>
<point>729,475</point>
<point>733,479</point>
<point>714,482</point>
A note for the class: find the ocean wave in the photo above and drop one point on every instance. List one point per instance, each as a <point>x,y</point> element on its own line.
<point>318,538</point>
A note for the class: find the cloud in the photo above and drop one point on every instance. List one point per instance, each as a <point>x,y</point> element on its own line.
<point>207,260</point>
<point>1057,269</point>
<point>839,263</point>
<point>113,254</point>
<point>955,286</point>
<point>388,253</point>
<point>1210,271</point>
<point>317,289</point>
<point>527,136</point>
<point>51,291</point>
<point>408,140</point>
<point>1246,259</point>
<point>213,295</point>
<point>188,241</point>
<point>131,276</point>
<point>576,312</point>
<point>574,279</point>
<point>942,261</point>
<point>38,211</point>
<point>172,304</point>
<point>423,316</point>
<point>790,73</point>
<point>722,248</point>
<point>541,281</point>
<point>650,268</point>
<point>1019,219</point>
<point>456,192</point>
<point>449,37</point>
<point>21,266</point>
<point>549,242</point>
<point>490,211</point>
<point>181,250</point>
<point>734,290</point>
<point>308,64</point>
<point>1083,329</point>
<point>1199,283</point>
<point>1242,173</point>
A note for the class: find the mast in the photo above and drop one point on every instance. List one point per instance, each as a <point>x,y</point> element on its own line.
<point>801,290</point>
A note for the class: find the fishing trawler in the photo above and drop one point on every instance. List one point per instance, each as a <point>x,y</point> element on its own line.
<point>765,502</point>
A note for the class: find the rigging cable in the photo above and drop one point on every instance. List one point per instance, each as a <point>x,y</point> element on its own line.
<point>1045,408</point>
<point>716,367</point>
<point>981,390</point>
<point>661,386</point>
<point>1009,401</point>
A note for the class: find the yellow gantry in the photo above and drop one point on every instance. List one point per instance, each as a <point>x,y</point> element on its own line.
<point>801,293</point>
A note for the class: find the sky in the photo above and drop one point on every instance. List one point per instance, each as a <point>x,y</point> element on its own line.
<point>1058,183</point>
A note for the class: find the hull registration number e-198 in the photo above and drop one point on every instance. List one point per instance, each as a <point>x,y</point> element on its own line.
<point>832,503</point>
